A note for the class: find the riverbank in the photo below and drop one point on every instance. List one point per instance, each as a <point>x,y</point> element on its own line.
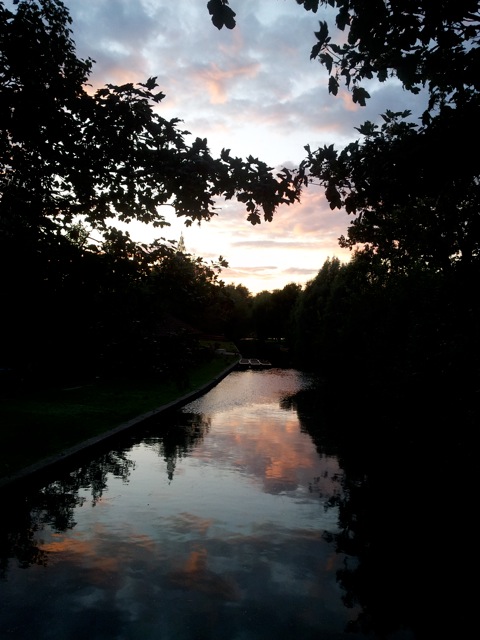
<point>39,429</point>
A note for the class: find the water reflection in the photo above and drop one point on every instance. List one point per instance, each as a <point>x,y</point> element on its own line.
<point>207,523</point>
<point>396,495</point>
<point>178,438</point>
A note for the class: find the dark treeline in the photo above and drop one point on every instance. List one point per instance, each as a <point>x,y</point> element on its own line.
<point>397,402</point>
<point>383,334</point>
<point>393,334</point>
<point>78,295</point>
<point>75,309</point>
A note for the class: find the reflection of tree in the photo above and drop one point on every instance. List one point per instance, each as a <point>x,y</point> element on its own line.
<point>54,504</point>
<point>396,491</point>
<point>177,439</point>
<point>310,410</point>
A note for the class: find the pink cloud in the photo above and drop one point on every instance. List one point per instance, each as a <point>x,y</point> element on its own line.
<point>218,80</point>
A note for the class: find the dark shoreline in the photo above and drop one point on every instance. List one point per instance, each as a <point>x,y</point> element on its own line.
<point>47,466</point>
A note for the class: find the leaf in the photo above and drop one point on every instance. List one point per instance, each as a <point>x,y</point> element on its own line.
<point>158,97</point>
<point>222,14</point>
<point>382,75</point>
<point>327,60</point>
<point>322,33</point>
<point>315,50</point>
<point>254,218</point>
<point>333,197</point>
<point>333,86</point>
<point>367,128</point>
<point>229,18</point>
<point>150,84</point>
<point>342,18</point>
<point>312,5</point>
<point>360,95</point>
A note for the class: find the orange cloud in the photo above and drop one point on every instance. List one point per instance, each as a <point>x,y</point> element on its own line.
<point>195,575</point>
<point>346,98</point>
<point>73,546</point>
<point>217,80</point>
<point>278,457</point>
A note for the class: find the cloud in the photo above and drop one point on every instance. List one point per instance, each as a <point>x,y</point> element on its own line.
<point>253,90</point>
<point>219,81</point>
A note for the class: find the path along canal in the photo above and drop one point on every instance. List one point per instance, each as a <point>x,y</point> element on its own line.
<point>209,522</point>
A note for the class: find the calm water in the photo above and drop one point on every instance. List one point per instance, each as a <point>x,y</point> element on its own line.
<point>207,524</point>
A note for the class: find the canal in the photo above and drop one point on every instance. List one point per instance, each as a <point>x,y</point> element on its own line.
<point>217,521</point>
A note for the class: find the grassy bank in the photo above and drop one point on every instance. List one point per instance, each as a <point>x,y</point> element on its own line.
<point>41,423</point>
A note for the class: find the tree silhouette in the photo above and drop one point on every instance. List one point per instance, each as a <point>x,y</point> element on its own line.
<point>73,163</point>
<point>411,187</point>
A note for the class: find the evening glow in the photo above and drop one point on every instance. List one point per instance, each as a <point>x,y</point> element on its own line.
<point>253,90</point>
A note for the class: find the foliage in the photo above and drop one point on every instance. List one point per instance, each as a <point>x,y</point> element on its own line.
<point>313,343</point>
<point>272,312</point>
<point>66,152</point>
<point>394,336</point>
<point>73,163</point>
<point>412,187</point>
<point>222,14</point>
<point>237,321</point>
<point>409,204</point>
<point>430,45</point>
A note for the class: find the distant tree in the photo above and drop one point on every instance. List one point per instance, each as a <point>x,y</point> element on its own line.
<point>312,346</point>
<point>238,312</point>
<point>283,302</point>
<point>184,285</point>
<point>272,311</point>
<point>262,314</point>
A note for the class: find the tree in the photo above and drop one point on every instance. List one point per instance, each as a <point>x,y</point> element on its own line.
<point>412,187</point>
<point>263,315</point>
<point>428,45</point>
<point>409,203</point>
<point>238,312</point>
<point>272,311</point>
<point>66,152</point>
<point>314,343</point>
<point>69,155</point>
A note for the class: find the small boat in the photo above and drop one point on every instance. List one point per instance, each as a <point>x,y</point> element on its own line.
<point>253,363</point>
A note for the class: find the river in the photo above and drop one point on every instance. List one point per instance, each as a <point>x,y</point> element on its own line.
<point>217,521</point>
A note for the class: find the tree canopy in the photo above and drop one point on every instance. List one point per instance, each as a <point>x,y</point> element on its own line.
<point>74,162</point>
<point>430,45</point>
<point>67,151</point>
<point>412,186</point>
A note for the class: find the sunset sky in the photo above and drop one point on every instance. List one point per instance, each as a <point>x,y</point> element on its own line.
<point>253,90</point>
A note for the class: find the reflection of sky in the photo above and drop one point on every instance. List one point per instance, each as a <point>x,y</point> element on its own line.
<point>231,547</point>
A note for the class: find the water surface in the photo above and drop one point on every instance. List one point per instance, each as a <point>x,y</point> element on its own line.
<point>209,523</point>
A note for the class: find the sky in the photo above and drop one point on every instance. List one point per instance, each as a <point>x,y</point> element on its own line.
<point>253,90</point>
